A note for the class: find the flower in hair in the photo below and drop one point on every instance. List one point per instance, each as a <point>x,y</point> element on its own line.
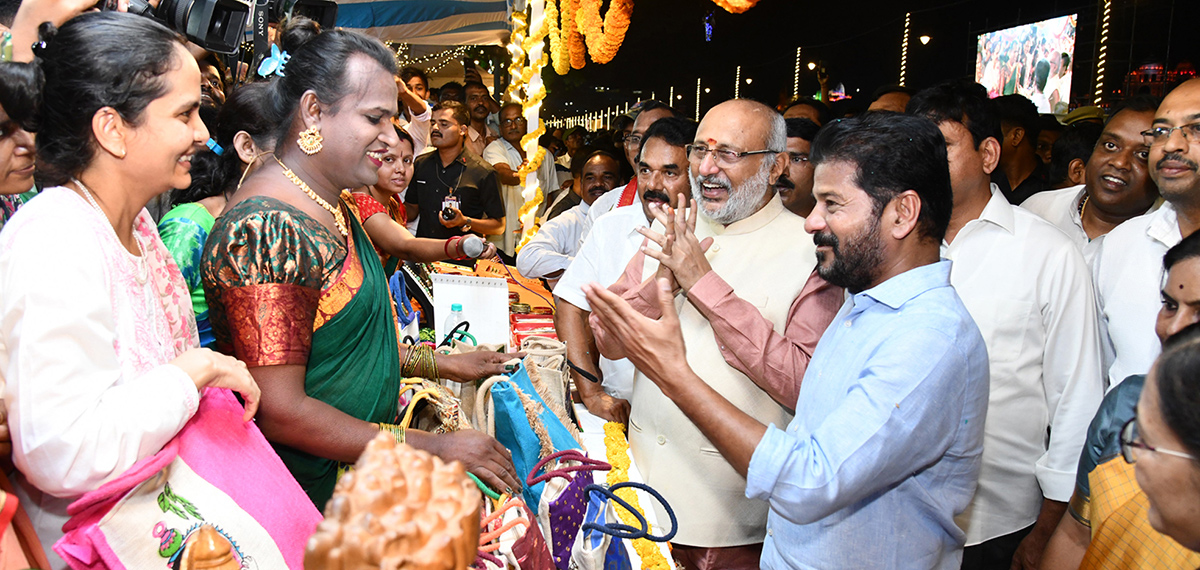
<point>275,63</point>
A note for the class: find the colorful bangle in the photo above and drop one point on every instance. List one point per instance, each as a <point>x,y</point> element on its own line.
<point>420,362</point>
<point>396,431</point>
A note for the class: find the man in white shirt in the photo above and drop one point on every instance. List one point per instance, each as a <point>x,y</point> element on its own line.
<point>1029,291</point>
<point>507,157</point>
<point>613,241</point>
<point>550,252</point>
<point>1117,184</point>
<point>651,111</point>
<point>1128,267</point>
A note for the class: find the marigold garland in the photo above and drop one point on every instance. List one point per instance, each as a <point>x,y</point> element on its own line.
<point>559,52</point>
<point>604,39</point>
<point>576,50</point>
<point>616,449</point>
<point>736,6</point>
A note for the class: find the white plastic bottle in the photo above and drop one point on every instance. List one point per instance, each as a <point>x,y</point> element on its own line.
<point>455,317</point>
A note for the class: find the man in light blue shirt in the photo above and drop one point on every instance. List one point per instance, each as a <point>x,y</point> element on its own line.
<point>886,442</point>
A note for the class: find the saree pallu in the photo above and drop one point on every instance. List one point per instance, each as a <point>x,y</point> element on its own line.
<point>354,365</point>
<point>261,272</point>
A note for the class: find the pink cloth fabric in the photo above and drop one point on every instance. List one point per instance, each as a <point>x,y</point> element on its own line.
<point>775,362</point>
<point>230,454</point>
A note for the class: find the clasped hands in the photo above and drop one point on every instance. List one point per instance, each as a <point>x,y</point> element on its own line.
<point>655,347</point>
<point>681,259</point>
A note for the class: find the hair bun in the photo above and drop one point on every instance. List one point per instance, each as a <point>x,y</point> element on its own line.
<point>296,32</point>
<point>46,33</point>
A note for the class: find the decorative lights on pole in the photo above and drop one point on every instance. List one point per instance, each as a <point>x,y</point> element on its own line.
<point>531,106</point>
<point>904,50</point>
<point>697,98</point>
<point>737,83</point>
<point>796,76</point>
<point>1102,59</point>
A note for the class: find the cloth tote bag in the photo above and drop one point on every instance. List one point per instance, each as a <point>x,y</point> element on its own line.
<point>511,410</point>
<point>218,471</point>
<point>563,502</point>
<point>602,540</point>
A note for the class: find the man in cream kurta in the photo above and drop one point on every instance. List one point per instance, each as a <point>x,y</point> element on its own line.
<point>708,496</point>
<point>763,253</point>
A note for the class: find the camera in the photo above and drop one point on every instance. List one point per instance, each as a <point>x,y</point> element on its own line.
<point>215,25</point>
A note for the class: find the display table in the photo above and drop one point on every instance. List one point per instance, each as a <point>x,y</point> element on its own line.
<point>592,429</point>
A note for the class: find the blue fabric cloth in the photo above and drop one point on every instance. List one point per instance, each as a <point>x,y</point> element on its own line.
<point>515,433</point>
<point>1104,434</point>
<point>886,444</point>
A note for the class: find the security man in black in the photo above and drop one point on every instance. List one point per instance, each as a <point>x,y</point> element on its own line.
<point>453,190</point>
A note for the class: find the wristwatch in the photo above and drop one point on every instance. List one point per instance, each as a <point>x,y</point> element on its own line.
<point>466,227</point>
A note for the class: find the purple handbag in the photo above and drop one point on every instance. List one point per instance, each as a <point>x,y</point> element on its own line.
<point>563,501</point>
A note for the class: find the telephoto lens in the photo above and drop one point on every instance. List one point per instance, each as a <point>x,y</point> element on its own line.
<point>215,25</point>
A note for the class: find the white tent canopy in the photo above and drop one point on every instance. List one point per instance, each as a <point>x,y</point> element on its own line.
<point>429,22</point>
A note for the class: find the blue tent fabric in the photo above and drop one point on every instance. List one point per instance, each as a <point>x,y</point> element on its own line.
<point>429,22</point>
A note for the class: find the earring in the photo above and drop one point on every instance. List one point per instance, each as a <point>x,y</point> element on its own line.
<point>310,140</point>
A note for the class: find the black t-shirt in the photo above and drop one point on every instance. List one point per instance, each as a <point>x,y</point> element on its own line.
<point>1034,183</point>
<point>468,177</point>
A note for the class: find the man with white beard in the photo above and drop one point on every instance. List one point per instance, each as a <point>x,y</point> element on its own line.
<point>742,269</point>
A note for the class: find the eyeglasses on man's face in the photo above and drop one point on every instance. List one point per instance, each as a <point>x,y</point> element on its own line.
<point>1162,133</point>
<point>1130,439</point>
<point>516,121</point>
<point>722,156</point>
<point>633,140</point>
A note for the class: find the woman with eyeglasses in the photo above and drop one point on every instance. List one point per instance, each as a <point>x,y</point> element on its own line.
<point>1107,525</point>
<point>1163,440</point>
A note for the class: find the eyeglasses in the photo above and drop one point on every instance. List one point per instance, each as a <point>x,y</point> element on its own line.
<point>1160,134</point>
<point>723,157</point>
<point>633,140</point>
<point>1130,439</point>
<point>798,158</point>
<point>518,120</point>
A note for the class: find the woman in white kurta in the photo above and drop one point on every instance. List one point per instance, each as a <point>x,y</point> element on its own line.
<point>97,335</point>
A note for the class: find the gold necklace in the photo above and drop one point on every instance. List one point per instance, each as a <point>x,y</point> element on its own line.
<point>1083,206</point>
<point>337,212</point>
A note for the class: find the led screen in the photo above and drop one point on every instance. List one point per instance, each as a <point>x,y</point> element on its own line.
<point>1033,60</point>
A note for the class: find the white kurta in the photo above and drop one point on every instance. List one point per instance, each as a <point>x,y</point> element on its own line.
<point>502,151</point>
<point>602,259</point>
<point>554,245</point>
<point>83,353</point>
<point>1030,293</point>
<point>1128,271</point>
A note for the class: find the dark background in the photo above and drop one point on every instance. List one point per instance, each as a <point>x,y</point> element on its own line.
<point>858,42</point>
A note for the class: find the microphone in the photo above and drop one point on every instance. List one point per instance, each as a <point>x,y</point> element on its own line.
<point>472,246</point>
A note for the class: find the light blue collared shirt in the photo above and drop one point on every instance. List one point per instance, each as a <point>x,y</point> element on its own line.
<point>886,443</point>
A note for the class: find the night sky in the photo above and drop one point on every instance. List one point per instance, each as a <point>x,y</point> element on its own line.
<point>857,41</point>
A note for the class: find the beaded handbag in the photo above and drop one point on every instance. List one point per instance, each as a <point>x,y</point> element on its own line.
<point>563,503</point>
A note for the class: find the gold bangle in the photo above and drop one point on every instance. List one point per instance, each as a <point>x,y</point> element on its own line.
<point>396,431</point>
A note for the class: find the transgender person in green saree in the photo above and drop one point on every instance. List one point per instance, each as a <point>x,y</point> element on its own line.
<point>296,289</point>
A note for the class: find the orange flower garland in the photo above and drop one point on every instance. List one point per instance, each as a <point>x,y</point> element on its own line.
<point>576,50</point>
<point>559,50</point>
<point>736,6</point>
<point>616,449</point>
<point>604,38</point>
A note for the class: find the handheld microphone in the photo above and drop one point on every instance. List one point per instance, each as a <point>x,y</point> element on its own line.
<point>472,246</point>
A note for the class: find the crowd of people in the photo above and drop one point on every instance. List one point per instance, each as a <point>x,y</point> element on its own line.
<point>942,332</point>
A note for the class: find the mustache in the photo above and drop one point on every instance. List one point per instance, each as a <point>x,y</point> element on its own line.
<point>784,182</point>
<point>1177,158</point>
<point>825,239</point>
<point>714,179</point>
<point>658,195</point>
